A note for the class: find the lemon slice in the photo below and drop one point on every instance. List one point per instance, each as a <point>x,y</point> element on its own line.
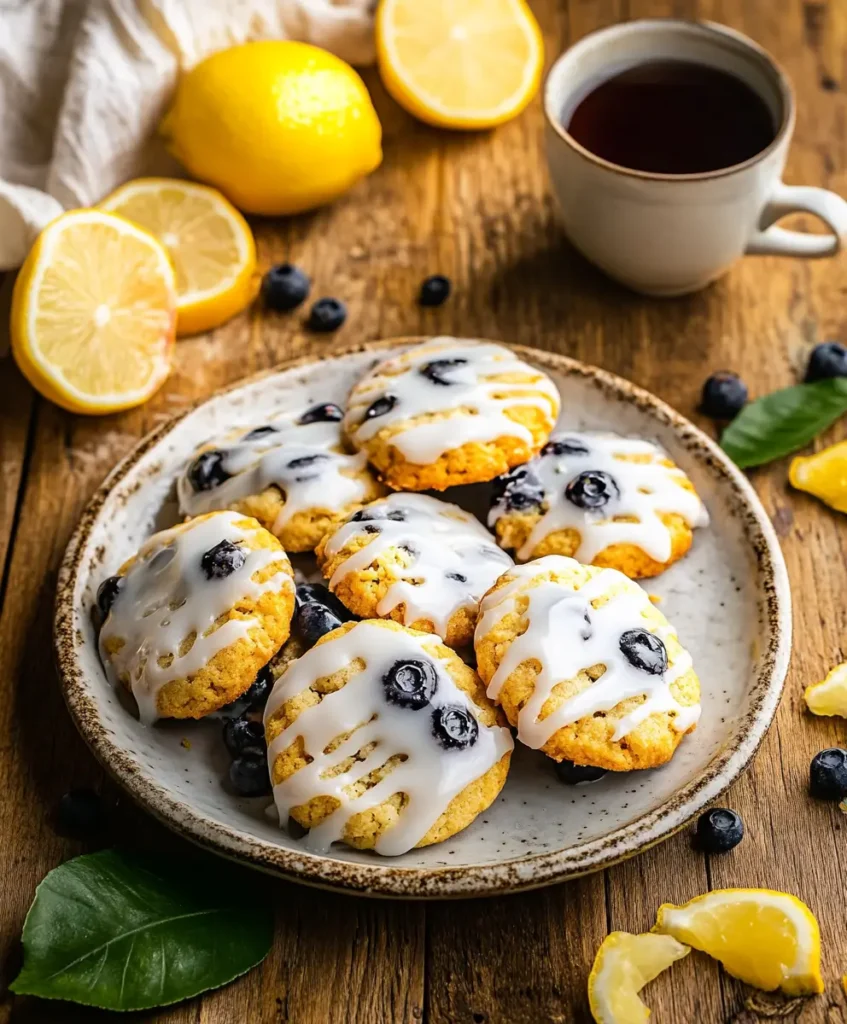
<point>623,966</point>
<point>768,939</point>
<point>464,64</point>
<point>94,312</point>
<point>830,696</point>
<point>208,241</point>
<point>823,474</point>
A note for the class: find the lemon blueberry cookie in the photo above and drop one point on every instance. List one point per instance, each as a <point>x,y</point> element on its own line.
<point>450,411</point>
<point>292,474</point>
<point>584,666</point>
<point>190,620</point>
<point>415,559</point>
<point>605,500</point>
<point>382,738</point>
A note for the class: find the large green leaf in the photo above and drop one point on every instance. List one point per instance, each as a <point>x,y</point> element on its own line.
<point>783,421</point>
<point>125,932</point>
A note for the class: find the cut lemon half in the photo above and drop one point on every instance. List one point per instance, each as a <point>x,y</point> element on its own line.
<point>830,696</point>
<point>208,241</point>
<point>462,64</point>
<point>623,966</point>
<point>94,313</point>
<point>769,939</point>
<point>823,474</point>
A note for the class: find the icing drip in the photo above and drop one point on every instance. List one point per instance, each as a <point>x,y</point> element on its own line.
<point>430,776</point>
<point>168,595</point>
<point>640,491</point>
<point>305,461</point>
<point>447,375</point>
<point>566,635</point>
<point>453,558</point>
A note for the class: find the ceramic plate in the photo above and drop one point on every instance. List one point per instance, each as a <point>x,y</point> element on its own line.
<point>729,600</point>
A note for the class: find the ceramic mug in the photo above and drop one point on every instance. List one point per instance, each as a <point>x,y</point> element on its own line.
<point>668,234</point>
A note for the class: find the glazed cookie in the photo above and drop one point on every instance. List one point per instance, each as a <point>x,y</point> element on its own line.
<point>414,559</point>
<point>382,738</point>
<point>193,617</point>
<point>450,411</point>
<point>585,666</point>
<point>292,474</point>
<point>605,500</point>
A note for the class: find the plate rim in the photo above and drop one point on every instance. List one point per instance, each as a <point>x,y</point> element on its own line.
<point>383,877</point>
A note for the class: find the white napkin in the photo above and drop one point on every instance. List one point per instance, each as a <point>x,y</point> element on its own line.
<point>83,84</point>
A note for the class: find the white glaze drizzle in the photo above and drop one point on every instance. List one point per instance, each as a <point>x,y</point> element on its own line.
<point>646,489</point>
<point>564,642</point>
<point>431,776</point>
<point>332,481</point>
<point>469,388</point>
<point>168,571</point>
<point>442,539</point>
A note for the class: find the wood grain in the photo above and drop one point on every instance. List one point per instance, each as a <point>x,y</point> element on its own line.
<point>477,208</point>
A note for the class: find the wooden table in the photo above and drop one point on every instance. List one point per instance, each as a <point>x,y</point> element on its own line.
<point>476,207</point>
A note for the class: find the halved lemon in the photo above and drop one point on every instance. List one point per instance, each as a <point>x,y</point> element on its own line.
<point>769,939</point>
<point>823,474</point>
<point>830,696</point>
<point>624,964</point>
<point>94,313</point>
<point>208,241</point>
<point>463,64</point>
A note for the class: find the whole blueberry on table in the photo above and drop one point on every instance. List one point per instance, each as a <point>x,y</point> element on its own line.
<point>80,812</point>
<point>284,287</point>
<point>573,774</point>
<point>326,315</point>
<point>724,395</point>
<point>249,773</point>
<point>435,290</point>
<point>826,361</point>
<point>828,774</point>
<point>719,830</point>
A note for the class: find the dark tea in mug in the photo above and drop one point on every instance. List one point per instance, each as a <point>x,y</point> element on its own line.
<point>672,117</point>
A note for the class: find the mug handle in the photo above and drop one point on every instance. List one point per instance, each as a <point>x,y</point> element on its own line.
<point>774,241</point>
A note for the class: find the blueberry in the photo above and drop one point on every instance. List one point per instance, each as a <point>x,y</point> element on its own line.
<point>369,515</point>
<point>724,396</point>
<point>573,774</point>
<point>457,576</point>
<point>381,406</point>
<point>518,490</point>
<point>826,361</point>
<point>249,773</point>
<point>410,684</point>
<point>207,470</point>
<point>318,612</point>
<point>644,650</point>
<point>437,371</point>
<point>242,733</point>
<point>254,698</point>
<point>828,774</point>
<point>285,287</point>
<point>435,290</point>
<point>326,315</point>
<point>719,830</point>
<point>80,812</point>
<point>107,592</point>
<point>258,432</point>
<point>222,560</point>
<point>454,727</point>
<point>327,413</point>
<point>307,460</point>
<point>592,489</point>
<point>564,446</point>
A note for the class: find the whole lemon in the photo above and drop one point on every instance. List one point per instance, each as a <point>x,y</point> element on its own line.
<point>279,127</point>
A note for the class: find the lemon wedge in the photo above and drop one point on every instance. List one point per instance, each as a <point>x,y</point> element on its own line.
<point>94,313</point>
<point>823,475</point>
<point>624,964</point>
<point>830,696</point>
<point>464,64</point>
<point>769,939</point>
<point>208,241</point>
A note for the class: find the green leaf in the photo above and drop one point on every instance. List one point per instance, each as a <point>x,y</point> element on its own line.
<point>125,932</point>
<point>783,421</point>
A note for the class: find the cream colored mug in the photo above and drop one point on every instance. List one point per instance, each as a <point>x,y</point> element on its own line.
<point>668,234</point>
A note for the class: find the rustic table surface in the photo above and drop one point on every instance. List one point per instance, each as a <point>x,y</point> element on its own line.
<point>476,207</point>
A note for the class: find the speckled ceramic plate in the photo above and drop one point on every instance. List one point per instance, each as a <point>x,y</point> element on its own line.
<point>729,599</point>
